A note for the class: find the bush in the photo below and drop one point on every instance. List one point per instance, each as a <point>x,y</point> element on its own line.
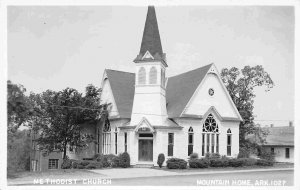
<point>248,161</point>
<point>199,163</point>
<point>212,156</point>
<point>79,166</point>
<point>160,159</point>
<point>266,155</point>
<point>84,163</point>
<point>194,156</point>
<point>67,164</point>
<point>106,160</point>
<point>176,163</point>
<point>263,162</point>
<point>234,162</point>
<point>74,164</point>
<point>217,163</point>
<point>124,160</point>
<point>243,153</point>
<point>94,165</point>
<point>115,162</point>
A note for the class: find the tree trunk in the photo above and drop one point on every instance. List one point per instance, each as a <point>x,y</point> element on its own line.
<point>65,151</point>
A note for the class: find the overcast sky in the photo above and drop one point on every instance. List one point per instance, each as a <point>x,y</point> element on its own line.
<point>59,47</point>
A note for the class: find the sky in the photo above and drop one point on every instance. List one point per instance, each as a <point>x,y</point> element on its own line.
<point>70,46</point>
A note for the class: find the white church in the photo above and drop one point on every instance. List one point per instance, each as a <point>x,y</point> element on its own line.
<point>150,113</point>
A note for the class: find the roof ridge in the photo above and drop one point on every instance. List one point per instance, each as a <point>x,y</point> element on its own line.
<point>119,71</point>
<point>191,70</point>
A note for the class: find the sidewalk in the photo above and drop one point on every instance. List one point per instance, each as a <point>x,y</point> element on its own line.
<point>127,173</point>
<point>123,173</point>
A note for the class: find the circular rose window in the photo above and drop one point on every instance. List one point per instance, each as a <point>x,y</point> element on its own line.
<point>211,92</point>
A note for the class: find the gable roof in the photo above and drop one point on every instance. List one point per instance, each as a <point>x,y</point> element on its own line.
<point>122,86</point>
<point>178,93</point>
<point>180,89</point>
<point>280,136</point>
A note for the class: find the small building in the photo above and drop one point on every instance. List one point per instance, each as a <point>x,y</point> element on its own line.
<point>280,141</point>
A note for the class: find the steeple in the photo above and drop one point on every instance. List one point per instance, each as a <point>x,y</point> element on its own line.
<point>151,49</point>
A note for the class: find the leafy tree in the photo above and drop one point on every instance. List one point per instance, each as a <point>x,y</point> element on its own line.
<point>19,107</point>
<point>18,152</point>
<point>240,85</point>
<point>58,116</point>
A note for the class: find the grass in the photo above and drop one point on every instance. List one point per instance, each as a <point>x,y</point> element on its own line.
<point>28,177</point>
<point>276,165</point>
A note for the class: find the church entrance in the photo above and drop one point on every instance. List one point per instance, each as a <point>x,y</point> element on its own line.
<point>146,147</point>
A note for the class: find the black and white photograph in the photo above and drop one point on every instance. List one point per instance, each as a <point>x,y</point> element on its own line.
<point>149,94</point>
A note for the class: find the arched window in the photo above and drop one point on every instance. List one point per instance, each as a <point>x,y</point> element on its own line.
<point>162,77</point>
<point>106,138</point>
<point>116,140</point>
<point>190,141</point>
<point>153,76</point>
<point>142,76</point>
<point>229,139</point>
<point>210,132</point>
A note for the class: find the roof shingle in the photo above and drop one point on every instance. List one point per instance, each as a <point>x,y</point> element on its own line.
<point>180,89</point>
<point>280,136</point>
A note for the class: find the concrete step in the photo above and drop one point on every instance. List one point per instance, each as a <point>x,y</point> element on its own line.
<point>143,166</point>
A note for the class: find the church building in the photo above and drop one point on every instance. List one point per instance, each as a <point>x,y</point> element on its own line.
<point>150,113</point>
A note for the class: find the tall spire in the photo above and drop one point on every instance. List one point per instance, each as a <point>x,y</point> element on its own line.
<point>151,40</point>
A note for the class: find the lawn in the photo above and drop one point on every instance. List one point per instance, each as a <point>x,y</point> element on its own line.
<point>28,177</point>
<point>276,165</point>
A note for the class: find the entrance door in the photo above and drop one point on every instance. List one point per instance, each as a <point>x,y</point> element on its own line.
<point>145,149</point>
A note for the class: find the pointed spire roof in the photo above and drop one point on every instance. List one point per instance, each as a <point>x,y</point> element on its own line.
<point>151,40</point>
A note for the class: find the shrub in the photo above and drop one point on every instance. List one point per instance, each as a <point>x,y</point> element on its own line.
<point>266,155</point>
<point>216,163</point>
<point>176,163</point>
<point>74,164</point>
<point>115,162</point>
<point>67,164</point>
<point>124,160</point>
<point>160,159</point>
<point>84,163</point>
<point>106,160</point>
<point>248,161</point>
<point>94,165</point>
<point>194,156</point>
<point>263,162</point>
<point>243,153</point>
<point>234,162</point>
<point>79,166</point>
<point>212,156</point>
<point>199,163</point>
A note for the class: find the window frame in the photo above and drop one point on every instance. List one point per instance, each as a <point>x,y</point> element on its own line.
<point>229,142</point>
<point>190,144</point>
<point>125,141</point>
<point>153,75</point>
<point>171,144</point>
<point>106,138</point>
<point>287,153</point>
<point>141,76</point>
<point>51,164</point>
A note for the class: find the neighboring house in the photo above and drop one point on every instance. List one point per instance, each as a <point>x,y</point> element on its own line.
<point>151,114</point>
<point>280,141</point>
<point>41,161</point>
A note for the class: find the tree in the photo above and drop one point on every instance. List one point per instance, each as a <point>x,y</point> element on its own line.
<point>19,107</point>
<point>18,151</point>
<point>59,116</point>
<point>241,85</point>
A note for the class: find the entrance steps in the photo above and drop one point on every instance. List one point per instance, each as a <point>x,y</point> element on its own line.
<point>144,165</point>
